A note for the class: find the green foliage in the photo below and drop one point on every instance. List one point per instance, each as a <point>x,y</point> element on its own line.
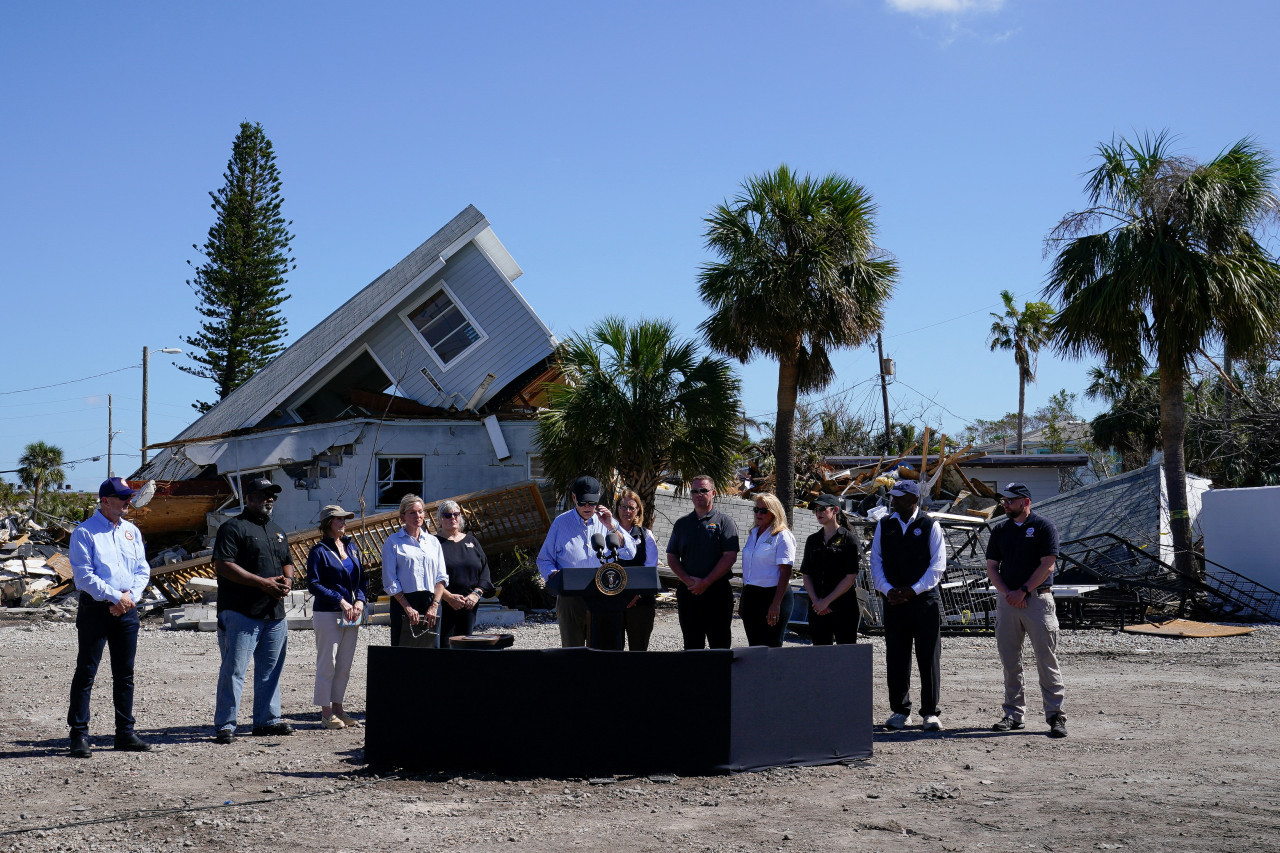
<point>1164,261</point>
<point>519,583</point>
<point>1131,422</point>
<point>12,497</point>
<point>832,430</point>
<point>40,466</point>
<point>241,283</point>
<point>1023,332</point>
<point>798,275</point>
<point>639,401</point>
<point>73,507</point>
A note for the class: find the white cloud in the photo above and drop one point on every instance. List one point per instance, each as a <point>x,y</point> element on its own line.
<point>944,7</point>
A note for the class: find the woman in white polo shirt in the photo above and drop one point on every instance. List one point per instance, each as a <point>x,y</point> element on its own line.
<point>767,557</point>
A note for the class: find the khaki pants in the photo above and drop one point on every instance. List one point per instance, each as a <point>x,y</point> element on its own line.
<point>1038,621</point>
<point>571,614</point>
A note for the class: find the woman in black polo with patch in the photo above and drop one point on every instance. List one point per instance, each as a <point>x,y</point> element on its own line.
<point>830,569</point>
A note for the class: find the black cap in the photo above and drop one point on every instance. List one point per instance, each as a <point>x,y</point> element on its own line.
<point>587,489</point>
<point>1015,490</point>
<point>262,484</point>
<point>825,500</point>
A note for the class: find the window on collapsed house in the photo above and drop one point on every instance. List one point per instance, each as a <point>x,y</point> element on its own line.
<point>445,326</point>
<point>398,476</point>
<point>536,469</point>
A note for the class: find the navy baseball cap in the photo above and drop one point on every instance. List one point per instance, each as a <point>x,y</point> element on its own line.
<point>1015,490</point>
<point>825,500</point>
<point>115,487</point>
<point>262,484</point>
<point>587,489</point>
<point>905,487</point>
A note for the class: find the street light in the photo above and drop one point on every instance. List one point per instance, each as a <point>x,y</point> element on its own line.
<point>146,360</point>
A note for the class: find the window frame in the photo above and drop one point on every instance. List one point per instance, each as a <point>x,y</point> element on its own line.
<point>417,305</point>
<point>377,479</point>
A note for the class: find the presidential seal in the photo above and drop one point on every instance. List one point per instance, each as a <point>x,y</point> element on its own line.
<point>611,579</point>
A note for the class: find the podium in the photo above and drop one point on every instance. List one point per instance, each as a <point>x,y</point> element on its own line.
<point>583,712</point>
<point>607,591</point>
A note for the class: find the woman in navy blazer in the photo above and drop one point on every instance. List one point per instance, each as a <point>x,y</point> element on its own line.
<point>335,580</point>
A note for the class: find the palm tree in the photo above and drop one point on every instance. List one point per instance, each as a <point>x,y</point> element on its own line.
<point>798,275</point>
<point>1131,423</point>
<point>640,402</point>
<point>1023,332</point>
<point>1164,261</point>
<point>41,465</point>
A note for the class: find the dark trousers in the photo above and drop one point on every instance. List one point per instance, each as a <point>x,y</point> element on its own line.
<point>838,626</point>
<point>95,628</point>
<point>753,607</point>
<point>638,622</point>
<point>455,623</point>
<point>604,629</point>
<point>705,619</point>
<point>419,601</point>
<point>918,621</point>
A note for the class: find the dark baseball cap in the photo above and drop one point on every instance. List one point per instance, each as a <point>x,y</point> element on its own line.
<point>905,487</point>
<point>262,484</point>
<point>1015,490</point>
<point>116,487</point>
<point>825,500</point>
<point>587,489</point>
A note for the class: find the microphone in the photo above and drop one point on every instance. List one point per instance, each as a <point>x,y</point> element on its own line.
<point>613,541</point>
<point>598,542</point>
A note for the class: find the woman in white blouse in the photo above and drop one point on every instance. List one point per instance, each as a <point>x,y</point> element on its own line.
<point>767,557</point>
<point>413,574</point>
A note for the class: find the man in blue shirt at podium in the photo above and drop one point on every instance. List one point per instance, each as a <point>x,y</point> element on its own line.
<point>568,546</point>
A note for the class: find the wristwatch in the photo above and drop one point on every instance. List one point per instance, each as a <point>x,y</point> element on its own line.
<point>1024,589</point>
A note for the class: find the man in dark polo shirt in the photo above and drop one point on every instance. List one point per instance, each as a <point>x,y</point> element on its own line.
<point>908,558</point>
<point>255,573</point>
<point>1021,556</point>
<point>701,551</point>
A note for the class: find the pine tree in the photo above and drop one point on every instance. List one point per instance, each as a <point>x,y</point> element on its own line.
<point>241,282</point>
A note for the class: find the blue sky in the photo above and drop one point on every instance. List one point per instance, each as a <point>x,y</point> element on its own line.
<point>595,137</point>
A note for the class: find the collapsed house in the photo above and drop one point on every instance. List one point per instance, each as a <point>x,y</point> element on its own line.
<point>426,381</point>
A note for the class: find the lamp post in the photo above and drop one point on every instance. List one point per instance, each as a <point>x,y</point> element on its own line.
<point>146,360</point>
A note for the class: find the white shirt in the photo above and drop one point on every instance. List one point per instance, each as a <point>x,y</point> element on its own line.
<point>937,557</point>
<point>412,565</point>
<point>762,555</point>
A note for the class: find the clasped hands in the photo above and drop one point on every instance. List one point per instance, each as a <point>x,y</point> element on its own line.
<point>900,595</point>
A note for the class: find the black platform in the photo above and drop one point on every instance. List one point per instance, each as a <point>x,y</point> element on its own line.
<point>582,712</point>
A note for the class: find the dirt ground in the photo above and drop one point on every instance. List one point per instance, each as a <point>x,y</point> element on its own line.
<point>1173,747</point>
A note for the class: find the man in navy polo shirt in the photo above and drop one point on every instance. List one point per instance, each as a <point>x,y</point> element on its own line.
<point>111,571</point>
<point>908,558</point>
<point>701,552</point>
<point>1021,556</point>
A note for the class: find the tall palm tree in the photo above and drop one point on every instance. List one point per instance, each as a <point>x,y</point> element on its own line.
<point>1023,332</point>
<point>41,465</point>
<point>798,275</point>
<point>1164,261</point>
<point>639,401</point>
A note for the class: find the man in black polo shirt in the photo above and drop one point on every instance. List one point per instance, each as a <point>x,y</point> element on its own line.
<point>255,573</point>
<point>701,551</point>
<point>1021,555</point>
<point>908,559</point>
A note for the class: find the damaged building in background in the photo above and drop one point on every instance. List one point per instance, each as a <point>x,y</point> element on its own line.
<point>426,381</point>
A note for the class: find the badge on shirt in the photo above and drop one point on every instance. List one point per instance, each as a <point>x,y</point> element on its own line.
<point>471,544</point>
<point>1031,531</point>
<point>916,531</point>
<point>128,534</point>
<point>280,537</point>
<point>711,526</point>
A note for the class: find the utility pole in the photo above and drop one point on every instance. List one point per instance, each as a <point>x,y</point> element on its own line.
<point>146,363</point>
<point>884,392</point>
<point>110,436</point>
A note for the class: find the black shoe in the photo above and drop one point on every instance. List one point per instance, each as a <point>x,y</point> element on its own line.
<point>80,745</point>
<point>224,736</point>
<point>1007,724</point>
<point>273,729</point>
<point>130,742</point>
<point>1057,726</point>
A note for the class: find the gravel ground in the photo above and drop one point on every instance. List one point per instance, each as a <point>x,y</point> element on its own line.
<point>1173,746</point>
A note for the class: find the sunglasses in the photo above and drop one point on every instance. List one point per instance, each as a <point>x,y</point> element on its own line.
<point>450,514</point>
<point>699,491</point>
<point>587,503</point>
<point>760,511</point>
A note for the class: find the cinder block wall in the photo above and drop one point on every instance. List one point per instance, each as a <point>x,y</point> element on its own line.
<point>670,507</point>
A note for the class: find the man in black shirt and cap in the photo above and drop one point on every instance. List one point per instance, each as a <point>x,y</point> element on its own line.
<point>1021,556</point>
<point>701,552</point>
<point>255,573</point>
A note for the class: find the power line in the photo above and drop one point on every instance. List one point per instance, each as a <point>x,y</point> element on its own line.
<point>936,403</point>
<point>73,381</point>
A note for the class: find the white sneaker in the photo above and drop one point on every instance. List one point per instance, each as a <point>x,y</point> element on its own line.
<point>898,721</point>
<point>932,723</point>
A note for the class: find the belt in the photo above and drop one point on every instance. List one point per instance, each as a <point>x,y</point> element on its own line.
<point>1042,590</point>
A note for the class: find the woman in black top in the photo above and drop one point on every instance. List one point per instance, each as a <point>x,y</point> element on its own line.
<point>830,570</point>
<point>468,570</point>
